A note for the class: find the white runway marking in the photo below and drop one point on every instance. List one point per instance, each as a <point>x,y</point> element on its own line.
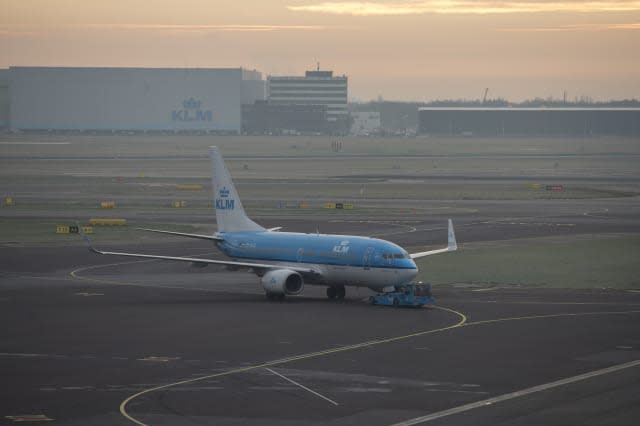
<point>517,394</point>
<point>302,386</point>
<point>158,358</point>
<point>35,143</point>
<point>29,418</point>
<point>485,289</point>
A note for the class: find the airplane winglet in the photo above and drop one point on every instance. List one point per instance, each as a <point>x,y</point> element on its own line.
<point>452,244</point>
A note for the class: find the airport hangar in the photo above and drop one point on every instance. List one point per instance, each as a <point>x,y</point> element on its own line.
<point>529,122</point>
<point>156,99</point>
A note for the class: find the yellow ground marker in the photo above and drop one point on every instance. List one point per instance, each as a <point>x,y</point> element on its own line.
<point>73,229</point>
<point>107,221</point>
<point>60,229</point>
<point>189,187</point>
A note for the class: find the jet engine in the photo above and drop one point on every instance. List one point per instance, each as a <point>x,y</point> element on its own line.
<point>282,281</point>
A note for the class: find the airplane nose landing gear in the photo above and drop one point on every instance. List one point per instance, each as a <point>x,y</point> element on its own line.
<point>336,292</point>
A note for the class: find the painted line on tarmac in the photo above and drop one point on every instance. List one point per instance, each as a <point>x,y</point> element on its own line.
<point>485,289</point>
<point>402,224</point>
<point>561,315</point>
<point>35,143</point>
<point>519,302</point>
<point>368,344</point>
<point>461,324</point>
<point>87,294</point>
<point>76,274</point>
<point>158,359</point>
<point>24,418</point>
<point>538,388</point>
<point>302,386</point>
<point>517,394</point>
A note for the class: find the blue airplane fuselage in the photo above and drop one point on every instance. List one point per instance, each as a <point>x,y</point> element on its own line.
<point>339,259</point>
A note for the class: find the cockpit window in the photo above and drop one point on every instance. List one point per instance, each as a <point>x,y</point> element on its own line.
<point>389,256</point>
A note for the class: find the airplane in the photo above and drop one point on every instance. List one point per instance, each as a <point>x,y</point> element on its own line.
<point>286,261</point>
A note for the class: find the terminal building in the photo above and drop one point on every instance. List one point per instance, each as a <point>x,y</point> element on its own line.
<point>529,122</point>
<point>263,117</point>
<point>316,102</point>
<point>201,99</point>
<point>315,88</point>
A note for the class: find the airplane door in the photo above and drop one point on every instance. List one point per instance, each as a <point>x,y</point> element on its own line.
<point>300,254</point>
<point>368,257</point>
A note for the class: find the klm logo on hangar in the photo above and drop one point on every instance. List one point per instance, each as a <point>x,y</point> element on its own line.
<point>191,112</point>
<point>224,202</point>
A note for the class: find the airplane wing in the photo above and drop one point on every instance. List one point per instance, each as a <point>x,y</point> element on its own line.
<point>182,234</point>
<point>199,261</point>
<point>452,245</point>
<point>198,236</point>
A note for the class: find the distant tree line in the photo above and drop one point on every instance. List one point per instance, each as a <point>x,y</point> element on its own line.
<point>583,101</point>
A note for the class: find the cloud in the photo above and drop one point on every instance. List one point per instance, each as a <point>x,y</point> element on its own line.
<point>201,28</point>
<point>6,32</point>
<point>479,7</point>
<point>578,27</point>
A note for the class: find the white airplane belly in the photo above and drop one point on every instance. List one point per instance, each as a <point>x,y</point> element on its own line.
<point>370,277</point>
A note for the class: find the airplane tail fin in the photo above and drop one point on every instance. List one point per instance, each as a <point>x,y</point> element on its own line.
<point>230,214</point>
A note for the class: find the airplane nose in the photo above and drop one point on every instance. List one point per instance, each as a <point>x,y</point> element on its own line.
<point>412,273</point>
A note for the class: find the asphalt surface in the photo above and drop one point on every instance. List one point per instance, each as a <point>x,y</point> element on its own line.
<point>91,340</point>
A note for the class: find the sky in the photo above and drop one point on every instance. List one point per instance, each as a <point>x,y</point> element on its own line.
<point>395,50</point>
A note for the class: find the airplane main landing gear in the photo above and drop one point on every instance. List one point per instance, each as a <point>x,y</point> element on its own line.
<point>336,292</point>
<point>275,296</point>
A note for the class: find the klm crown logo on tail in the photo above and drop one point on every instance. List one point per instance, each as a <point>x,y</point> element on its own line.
<point>224,202</point>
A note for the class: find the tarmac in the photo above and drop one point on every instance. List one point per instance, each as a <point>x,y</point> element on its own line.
<point>98,340</point>
<point>91,340</point>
